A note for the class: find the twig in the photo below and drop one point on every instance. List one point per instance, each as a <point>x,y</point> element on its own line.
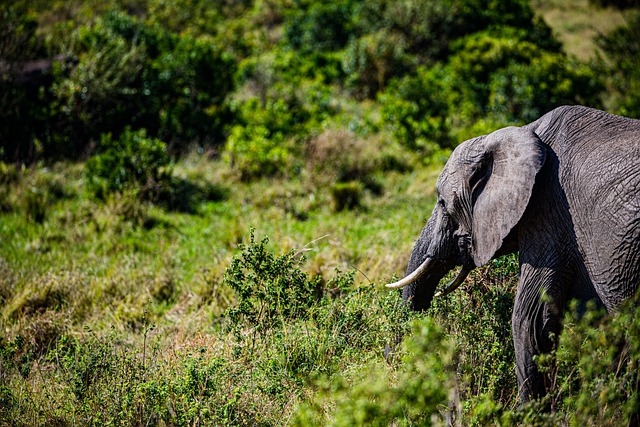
<point>306,247</point>
<point>361,272</point>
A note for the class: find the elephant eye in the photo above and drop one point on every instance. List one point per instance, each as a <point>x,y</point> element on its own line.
<point>443,206</point>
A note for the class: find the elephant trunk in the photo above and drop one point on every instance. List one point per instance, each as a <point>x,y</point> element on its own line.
<point>427,266</point>
<point>419,293</point>
<point>423,276</point>
<point>419,287</point>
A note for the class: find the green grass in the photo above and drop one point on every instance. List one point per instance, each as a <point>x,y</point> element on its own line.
<point>124,313</point>
<point>140,287</point>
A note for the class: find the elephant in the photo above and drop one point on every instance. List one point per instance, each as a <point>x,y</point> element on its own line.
<point>563,192</point>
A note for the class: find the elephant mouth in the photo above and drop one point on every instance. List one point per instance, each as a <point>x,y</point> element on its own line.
<point>424,268</point>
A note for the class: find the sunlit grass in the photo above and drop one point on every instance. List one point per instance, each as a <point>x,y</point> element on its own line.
<point>147,282</point>
<point>577,23</point>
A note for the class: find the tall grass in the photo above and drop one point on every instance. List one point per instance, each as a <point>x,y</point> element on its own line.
<point>117,311</point>
<point>178,318</point>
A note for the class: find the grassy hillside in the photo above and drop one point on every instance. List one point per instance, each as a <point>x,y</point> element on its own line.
<point>200,234</point>
<point>142,290</point>
<point>578,22</point>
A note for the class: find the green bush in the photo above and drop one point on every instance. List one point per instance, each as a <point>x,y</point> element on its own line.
<point>525,92</point>
<point>414,395</point>
<point>479,319</point>
<point>264,142</point>
<point>501,72</point>
<point>132,74</point>
<point>270,290</point>
<point>497,76</point>
<point>592,375</point>
<point>199,16</point>
<point>372,60</point>
<point>254,152</point>
<point>416,109</point>
<point>622,50</point>
<point>346,195</point>
<point>319,26</point>
<point>132,161</point>
<point>429,27</point>
<point>305,323</point>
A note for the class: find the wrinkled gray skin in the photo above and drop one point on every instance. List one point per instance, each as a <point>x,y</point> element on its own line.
<point>563,191</point>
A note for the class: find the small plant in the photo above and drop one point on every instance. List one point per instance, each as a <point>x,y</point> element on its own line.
<point>131,161</point>
<point>256,152</point>
<point>270,289</point>
<point>263,143</point>
<point>346,195</point>
<point>341,155</point>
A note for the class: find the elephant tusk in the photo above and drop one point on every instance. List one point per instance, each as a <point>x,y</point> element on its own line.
<point>415,275</point>
<point>453,285</point>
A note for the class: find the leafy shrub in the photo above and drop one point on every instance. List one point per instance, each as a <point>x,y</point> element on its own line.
<point>280,80</point>
<point>131,162</point>
<point>465,340</point>
<point>479,319</point>
<point>525,92</point>
<point>515,79</point>
<point>622,49</point>
<point>254,152</point>
<point>306,323</point>
<point>198,16</point>
<point>269,289</point>
<point>132,74</point>
<point>416,397</point>
<point>372,60</point>
<point>416,108</point>
<point>607,358</point>
<point>318,26</point>
<point>496,76</point>
<point>593,375</point>
<point>115,72</point>
<point>263,144</point>
<point>428,27</point>
<point>346,195</point>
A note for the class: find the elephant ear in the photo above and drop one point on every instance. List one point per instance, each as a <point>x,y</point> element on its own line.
<point>511,160</point>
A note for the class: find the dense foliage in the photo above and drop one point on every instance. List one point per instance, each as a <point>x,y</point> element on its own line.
<point>258,77</point>
<point>623,50</point>
<point>142,140</point>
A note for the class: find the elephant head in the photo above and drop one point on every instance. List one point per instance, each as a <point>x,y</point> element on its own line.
<point>483,192</point>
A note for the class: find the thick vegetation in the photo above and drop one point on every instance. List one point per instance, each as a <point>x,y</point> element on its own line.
<point>149,147</point>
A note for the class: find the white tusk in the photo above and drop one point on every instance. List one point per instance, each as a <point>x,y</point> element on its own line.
<point>415,275</point>
<point>453,285</point>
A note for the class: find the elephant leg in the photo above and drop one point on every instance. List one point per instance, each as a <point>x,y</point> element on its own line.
<point>537,316</point>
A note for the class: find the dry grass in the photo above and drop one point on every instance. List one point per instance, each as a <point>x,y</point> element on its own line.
<point>577,23</point>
